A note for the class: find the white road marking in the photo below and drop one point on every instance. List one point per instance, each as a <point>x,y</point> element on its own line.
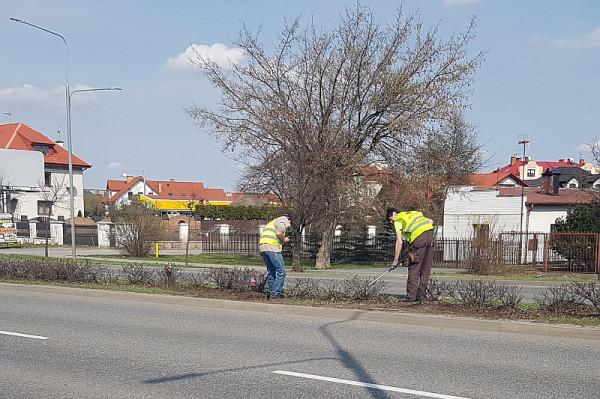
<point>22,335</point>
<point>368,385</point>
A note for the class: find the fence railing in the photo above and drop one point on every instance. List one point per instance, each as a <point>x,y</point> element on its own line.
<point>574,252</point>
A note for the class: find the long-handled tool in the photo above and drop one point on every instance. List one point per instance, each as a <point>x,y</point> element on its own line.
<point>389,270</point>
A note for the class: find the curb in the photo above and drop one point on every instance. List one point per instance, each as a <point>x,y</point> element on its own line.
<point>400,318</point>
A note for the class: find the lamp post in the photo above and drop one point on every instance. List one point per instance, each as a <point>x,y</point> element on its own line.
<point>524,143</point>
<point>68,95</point>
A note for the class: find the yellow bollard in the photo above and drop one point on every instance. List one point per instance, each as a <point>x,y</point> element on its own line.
<point>156,250</point>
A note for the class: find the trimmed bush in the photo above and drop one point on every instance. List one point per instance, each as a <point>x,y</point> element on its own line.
<point>559,299</point>
<point>139,275</point>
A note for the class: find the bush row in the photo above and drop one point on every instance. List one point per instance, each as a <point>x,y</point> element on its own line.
<point>566,298</point>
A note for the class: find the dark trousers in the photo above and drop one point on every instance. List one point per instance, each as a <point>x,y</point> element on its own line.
<point>419,268</point>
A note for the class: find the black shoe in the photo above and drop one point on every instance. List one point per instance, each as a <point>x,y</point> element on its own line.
<point>409,300</point>
<point>276,299</point>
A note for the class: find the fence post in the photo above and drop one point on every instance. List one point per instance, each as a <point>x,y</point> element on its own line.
<point>456,259</point>
<point>546,251</point>
<point>598,255</point>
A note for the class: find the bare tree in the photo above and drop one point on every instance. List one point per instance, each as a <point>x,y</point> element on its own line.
<point>594,147</point>
<point>53,195</point>
<point>138,226</point>
<point>324,102</point>
<point>446,156</point>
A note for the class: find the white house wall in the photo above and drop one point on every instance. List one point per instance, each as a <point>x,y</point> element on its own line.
<point>465,207</point>
<point>27,204</point>
<point>541,218</point>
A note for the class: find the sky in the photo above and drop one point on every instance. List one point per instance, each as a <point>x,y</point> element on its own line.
<point>540,77</point>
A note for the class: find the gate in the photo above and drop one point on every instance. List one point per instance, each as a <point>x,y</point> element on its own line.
<point>85,234</point>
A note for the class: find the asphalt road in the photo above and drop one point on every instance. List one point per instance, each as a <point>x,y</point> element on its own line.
<point>122,346</point>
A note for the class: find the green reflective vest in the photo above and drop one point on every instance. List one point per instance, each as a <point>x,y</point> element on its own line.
<point>412,224</point>
<point>269,236</point>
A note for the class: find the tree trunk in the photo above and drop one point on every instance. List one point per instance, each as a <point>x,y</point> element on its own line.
<point>323,260</point>
<point>296,251</point>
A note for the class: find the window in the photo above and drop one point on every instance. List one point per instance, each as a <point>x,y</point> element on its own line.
<point>129,195</point>
<point>48,179</point>
<point>530,172</point>
<point>44,208</point>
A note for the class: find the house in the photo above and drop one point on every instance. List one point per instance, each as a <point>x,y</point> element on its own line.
<point>472,210</point>
<point>174,197</point>
<point>526,172</point>
<point>37,166</point>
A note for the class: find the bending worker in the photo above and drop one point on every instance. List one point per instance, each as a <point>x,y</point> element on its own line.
<point>271,243</point>
<point>417,230</point>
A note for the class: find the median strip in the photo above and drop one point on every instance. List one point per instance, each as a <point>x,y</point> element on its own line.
<point>368,385</point>
<point>14,334</point>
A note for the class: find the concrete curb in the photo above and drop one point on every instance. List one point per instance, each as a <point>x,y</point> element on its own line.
<point>400,318</point>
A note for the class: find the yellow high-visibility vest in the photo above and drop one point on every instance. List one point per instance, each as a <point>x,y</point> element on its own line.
<point>412,224</point>
<point>269,235</point>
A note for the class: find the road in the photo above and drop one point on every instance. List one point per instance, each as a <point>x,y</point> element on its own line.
<point>76,344</point>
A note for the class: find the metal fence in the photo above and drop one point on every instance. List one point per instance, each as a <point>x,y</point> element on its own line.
<point>572,252</point>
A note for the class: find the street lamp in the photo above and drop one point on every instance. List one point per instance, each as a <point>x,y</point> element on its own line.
<point>524,143</point>
<point>68,95</point>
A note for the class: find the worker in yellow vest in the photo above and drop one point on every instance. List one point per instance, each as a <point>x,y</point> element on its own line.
<point>270,245</point>
<point>418,231</point>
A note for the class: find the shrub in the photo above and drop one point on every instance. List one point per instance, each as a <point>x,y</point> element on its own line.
<point>589,292</point>
<point>303,288</point>
<point>559,299</point>
<point>478,293</point>
<point>50,270</point>
<point>170,274</point>
<point>510,296</point>
<point>438,289</point>
<point>139,275</point>
<point>237,279</point>
<point>137,228</point>
<point>363,289</point>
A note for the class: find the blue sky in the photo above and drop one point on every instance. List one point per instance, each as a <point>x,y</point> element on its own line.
<point>540,77</point>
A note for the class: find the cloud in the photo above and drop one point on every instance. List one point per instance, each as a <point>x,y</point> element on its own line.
<point>588,40</point>
<point>44,97</point>
<point>115,165</point>
<point>218,52</point>
<point>451,3</point>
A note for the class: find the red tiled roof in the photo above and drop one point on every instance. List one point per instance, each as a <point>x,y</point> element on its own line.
<point>490,179</point>
<point>18,136</point>
<point>115,185</point>
<point>566,196</point>
<point>514,168</point>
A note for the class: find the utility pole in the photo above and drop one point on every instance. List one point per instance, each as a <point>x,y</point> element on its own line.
<point>524,164</point>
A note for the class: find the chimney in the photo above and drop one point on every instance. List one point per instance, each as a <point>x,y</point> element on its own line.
<point>58,140</point>
<point>514,160</point>
<point>550,182</point>
<point>581,162</point>
<point>129,178</point>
